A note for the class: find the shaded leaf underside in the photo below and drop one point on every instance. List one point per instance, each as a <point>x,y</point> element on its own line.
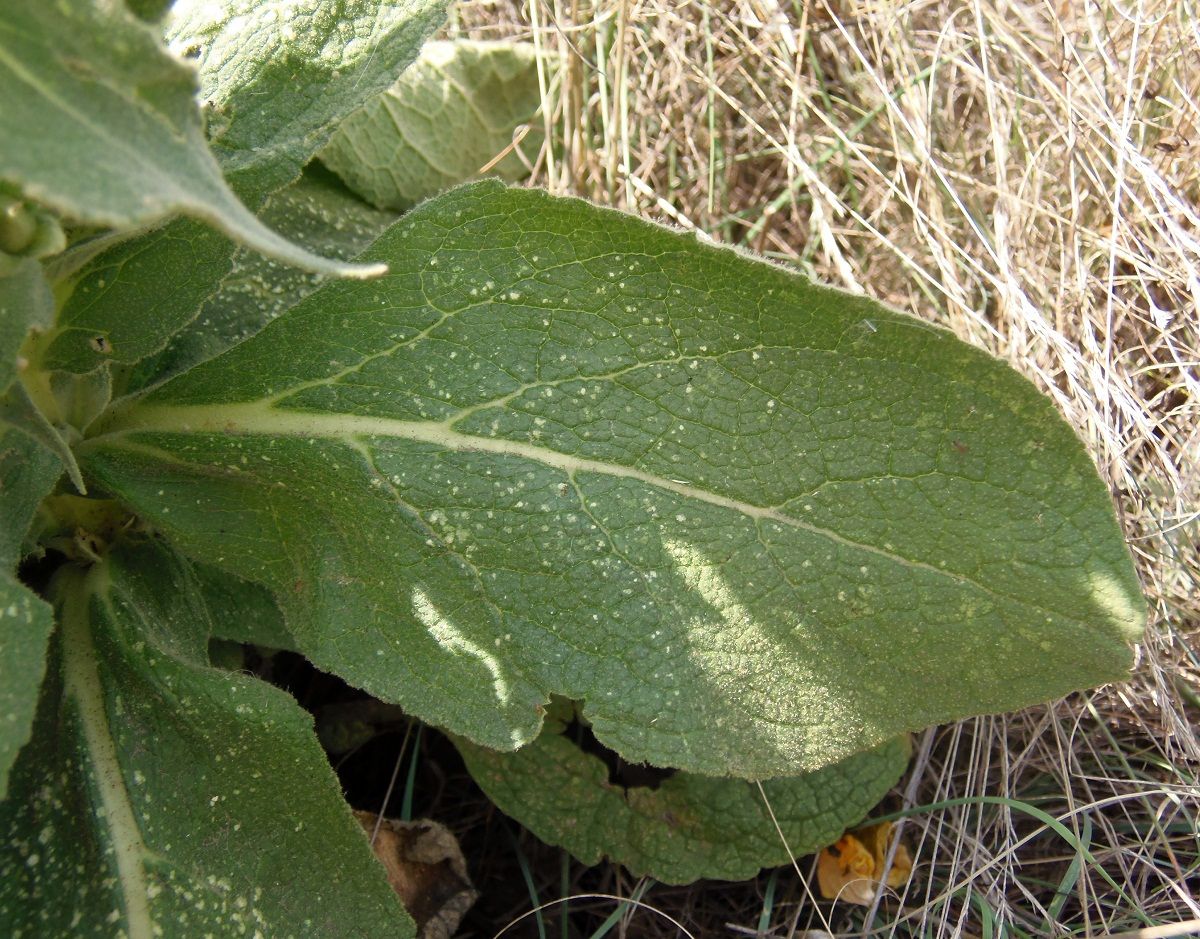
<point>755,524</point>
<point>452,113</point>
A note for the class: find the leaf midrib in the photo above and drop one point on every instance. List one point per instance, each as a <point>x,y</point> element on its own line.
<point>260,418</point>
<point>82,683</point>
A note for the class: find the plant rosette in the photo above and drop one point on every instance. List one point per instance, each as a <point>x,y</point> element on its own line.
<point>476,457</point>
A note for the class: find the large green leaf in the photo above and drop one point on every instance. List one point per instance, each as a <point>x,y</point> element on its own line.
<point>452,113</point>
<point>100,123</point>
<point>278,77</point>
<point>689,826</point>
<point>28,471</point>
<point>757,525</point>
<point>162,797</point>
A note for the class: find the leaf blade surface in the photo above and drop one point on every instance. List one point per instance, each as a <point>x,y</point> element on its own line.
<point>311,61</point>
<point>207,804</point>
<point>559,450</point>
<point>688,827</point>
<point>182,293</point>
<point>449,115</point>
<point>25,625</point>
<point>101,124</point>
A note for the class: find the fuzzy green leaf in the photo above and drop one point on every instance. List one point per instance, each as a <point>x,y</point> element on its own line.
<point>757,525</point>
<point>278,78</point>
<point>451,114</point>
<point>25,303</point>
<point>18,411</point>
<point>25,625</point>
<point>28,471</point>
<point>163,797</point>
<point>318,213</point>
<point>126,302</point>
<point>690,826</point>
<point>189,287</point>
<point>100,123</point>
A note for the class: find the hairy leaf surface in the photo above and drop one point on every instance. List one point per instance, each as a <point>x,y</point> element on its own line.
<point>189,287</point>
<point>452,113</point>
<point>25,302</point>
<point>25,624</point>
<point>757,525</point>
<point>100,123</point>
<point>277,78</point>
<point>28,471</point>
<point>125,303</point>
<point>690,826</point>
<point>318,213</point>
<point>162,797</point>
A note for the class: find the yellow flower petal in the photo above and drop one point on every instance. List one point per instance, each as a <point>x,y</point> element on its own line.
<point>849,869</point>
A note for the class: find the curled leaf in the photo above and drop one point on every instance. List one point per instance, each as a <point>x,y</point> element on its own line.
<point>447,118</point>
<point>426,868</point>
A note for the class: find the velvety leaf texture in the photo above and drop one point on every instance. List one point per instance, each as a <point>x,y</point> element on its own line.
<point>189,288</point>
<point>128,301</point>
<point>19,412</point>
<point>452,113</point>
<point>317,212</point>
<point>314,61</point>
<point>25,302</point>
<point>25,624</point>
<point>28,471</point>
<point>756,525</point>
<point>162,797</point>
<point>690,826</point>
<point>100,123</point>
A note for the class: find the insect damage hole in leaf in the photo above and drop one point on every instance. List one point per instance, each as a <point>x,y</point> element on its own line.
<point>621,773</point>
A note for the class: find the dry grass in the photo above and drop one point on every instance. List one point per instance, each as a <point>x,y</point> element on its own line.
<point>1024,173</point>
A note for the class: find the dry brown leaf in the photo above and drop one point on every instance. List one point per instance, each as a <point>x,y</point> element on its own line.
<point>426,868</point>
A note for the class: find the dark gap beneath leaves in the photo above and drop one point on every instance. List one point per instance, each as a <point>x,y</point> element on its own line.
<point>620,772</point>
<point>35,572</point>
<point>498,850</point>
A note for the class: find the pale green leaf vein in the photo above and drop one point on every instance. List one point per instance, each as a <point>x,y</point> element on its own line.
<point>82,684</point>
<point>261,419</point>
